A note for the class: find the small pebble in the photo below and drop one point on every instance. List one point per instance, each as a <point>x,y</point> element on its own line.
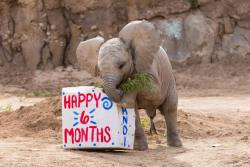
<point>53,27</point>
<point>82,16</point>
<point>93,27</point>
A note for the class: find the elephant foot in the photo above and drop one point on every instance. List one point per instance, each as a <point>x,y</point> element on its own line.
<point>140,144</point>
<point>174,140</point>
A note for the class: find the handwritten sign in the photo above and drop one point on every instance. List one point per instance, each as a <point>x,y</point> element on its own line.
<point>90,119</point>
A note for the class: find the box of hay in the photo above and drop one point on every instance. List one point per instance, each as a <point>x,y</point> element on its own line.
<point>91,120</point>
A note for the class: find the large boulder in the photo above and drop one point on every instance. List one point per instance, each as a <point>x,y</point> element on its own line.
<point>200,35</point>
<point>237,44</point>
<point>183,38</point>
<point>244,22</point>
<point>173,39</point>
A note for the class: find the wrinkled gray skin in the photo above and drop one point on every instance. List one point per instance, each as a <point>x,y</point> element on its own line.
<point>138,49</point>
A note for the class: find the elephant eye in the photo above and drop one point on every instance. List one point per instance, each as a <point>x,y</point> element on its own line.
<point>121,65</point>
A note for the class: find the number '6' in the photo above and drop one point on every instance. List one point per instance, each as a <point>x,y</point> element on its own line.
<point>84,118</point>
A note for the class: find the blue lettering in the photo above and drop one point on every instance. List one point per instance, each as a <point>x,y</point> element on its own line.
<point>124,110</point>
<point>125,130</point>
<point>125,120</point>
<point>124,141</point>
<point>125,125</point>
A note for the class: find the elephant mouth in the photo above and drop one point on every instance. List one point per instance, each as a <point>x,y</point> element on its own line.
<point>115,94</point>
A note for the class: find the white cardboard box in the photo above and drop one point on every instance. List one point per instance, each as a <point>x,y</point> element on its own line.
<point>90,120</point>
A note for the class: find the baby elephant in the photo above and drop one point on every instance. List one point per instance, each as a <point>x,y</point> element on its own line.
<point>137,49</point>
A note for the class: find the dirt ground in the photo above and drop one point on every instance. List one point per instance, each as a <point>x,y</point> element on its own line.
<point>213,121</point>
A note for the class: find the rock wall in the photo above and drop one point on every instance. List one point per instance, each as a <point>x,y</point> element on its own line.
<point>44,34</point>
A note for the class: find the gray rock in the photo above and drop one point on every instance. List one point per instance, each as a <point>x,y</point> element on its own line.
<point>69,68</point>
<point>192,36</point>
<point>244,22</point>
<point>59,69</point>
<point>238,43</point>
<point>200,35</point>
<point>173,38</point>
<point>228,26</point>
<point>93,27</point>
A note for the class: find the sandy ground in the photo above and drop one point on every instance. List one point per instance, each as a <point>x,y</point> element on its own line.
<point>228,144</point>
<point>213,120</point>
<point>9,103</point>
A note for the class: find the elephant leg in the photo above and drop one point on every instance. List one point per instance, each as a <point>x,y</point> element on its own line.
<point>169,109</point>
<point>152,129</point>
<point>151,114</point>
<point>140,142</point>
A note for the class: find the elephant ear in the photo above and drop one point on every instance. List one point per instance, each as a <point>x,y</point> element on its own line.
<point>87,54</point>
<point>144,40</point>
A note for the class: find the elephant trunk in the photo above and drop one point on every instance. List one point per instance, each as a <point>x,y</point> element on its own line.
<point>109,87</point>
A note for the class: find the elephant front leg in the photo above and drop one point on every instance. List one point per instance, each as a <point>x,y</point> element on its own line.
<point>129,101</point>
<point>140,142</point>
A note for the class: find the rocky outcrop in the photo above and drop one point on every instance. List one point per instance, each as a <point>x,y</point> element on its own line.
<point>189,36</point>
<point>173,35</point>
<point>237,44</point>
<point>148,9</point>
<point>44,34</point>
<point>214,30</point>
<point>200,35</point>
<point>37,33</point>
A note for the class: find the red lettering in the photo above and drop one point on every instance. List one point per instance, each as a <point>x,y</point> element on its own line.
<point>99,134</point>
<point>88,99</point>
<point>108,137</point>
<point>70,133</point>
<point>85,134</point>
<point>77,135</point>
<point>84,118</point>
<point>97,99</point>
<point>66,101</point>
<point>92,132</point>
<point>73,101</point>
<point>81,98</point>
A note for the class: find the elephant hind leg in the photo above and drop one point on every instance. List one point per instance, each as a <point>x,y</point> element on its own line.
<point>169,110</point>
<point>152,129</point>
<point>151,114</point>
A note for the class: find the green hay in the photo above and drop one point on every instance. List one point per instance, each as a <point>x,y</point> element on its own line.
<point>145,122</point>
<point>137,82</point>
